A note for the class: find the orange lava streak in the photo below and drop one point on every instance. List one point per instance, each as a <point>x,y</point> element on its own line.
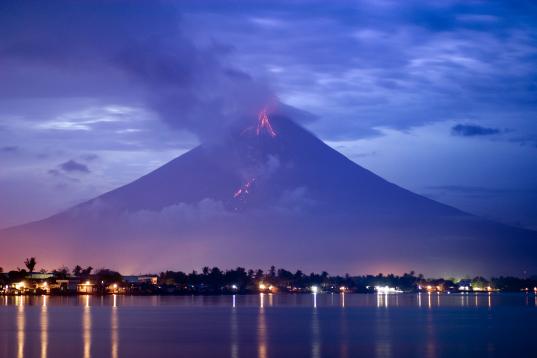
<point>264,123</point>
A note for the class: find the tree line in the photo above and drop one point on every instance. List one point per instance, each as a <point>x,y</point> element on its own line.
<point>215,280</point>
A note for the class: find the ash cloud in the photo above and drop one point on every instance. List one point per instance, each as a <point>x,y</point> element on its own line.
<point>140,55</point>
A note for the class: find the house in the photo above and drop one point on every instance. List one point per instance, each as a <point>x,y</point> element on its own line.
<point>144,279</point>
<point>86,287</point>
<point>65,285</point>
<point>150,279</point>
<point>465,285</point>
<point>116,288</point>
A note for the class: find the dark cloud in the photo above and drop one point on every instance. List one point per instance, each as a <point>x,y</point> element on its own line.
<point>388,63</point>
<point>141,46</point>
<point>473,130</point>
<point>74,166</point>
<point>9,149</point>
<point>370,64</point>
<point>92,76</point>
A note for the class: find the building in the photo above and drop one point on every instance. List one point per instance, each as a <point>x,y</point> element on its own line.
<point>86,287</point>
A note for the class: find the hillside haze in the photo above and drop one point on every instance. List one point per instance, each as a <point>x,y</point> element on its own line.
<point>269,192</point>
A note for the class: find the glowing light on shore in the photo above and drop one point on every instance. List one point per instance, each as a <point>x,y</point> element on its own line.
<point>387,289</point>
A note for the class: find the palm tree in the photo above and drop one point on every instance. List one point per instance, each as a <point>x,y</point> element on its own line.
<point>30,264</point>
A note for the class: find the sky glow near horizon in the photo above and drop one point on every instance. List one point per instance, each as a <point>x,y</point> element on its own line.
<point>438,98</point>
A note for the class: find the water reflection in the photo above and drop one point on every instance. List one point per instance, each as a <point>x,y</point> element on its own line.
<point>296,325</point>
<point>21,323</point>
<point>382,300</point>
<point>315,332</point>
<point>44,328</point>
<point>234,332</point>
<point>114,332</point>
<point>383,345</point>
<point>261,329</point>
<point>86,327</point>
<point>431,337</point>
<point>344,333</point>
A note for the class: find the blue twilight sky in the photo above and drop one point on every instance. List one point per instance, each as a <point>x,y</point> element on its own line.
<point>439,97</point>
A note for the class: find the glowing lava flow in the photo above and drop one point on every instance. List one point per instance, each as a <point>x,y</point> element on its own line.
<point>244,189</point>
<point>264,123</point>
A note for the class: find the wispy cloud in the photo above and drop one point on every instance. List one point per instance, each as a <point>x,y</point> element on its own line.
<point>9,149</point>
<point>473,130</point>
<point>74,166</point>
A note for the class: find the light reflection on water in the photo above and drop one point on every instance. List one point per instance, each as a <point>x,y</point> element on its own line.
<point>315,325</point>
<point>44,328</point>
<point>383,346</point>
<point>261,329</point>
<point>114,331</point>
<point>234,331</point>
<point>344,332</point>
<point>431,336</point>
<point>21,326</point>
<point>315,332</point>
<point>86,327</point>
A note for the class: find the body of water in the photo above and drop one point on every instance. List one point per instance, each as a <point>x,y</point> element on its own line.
<point>266,325</point>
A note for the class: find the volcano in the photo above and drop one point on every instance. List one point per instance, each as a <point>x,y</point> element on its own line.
<point>271,194</point>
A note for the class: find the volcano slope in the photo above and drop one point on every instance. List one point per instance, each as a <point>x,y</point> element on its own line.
<point>271,194</point>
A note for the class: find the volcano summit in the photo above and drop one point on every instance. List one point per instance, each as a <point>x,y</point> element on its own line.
<point>269,194</point>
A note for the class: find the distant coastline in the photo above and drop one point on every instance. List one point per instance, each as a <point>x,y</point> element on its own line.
<point>214,281</point>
